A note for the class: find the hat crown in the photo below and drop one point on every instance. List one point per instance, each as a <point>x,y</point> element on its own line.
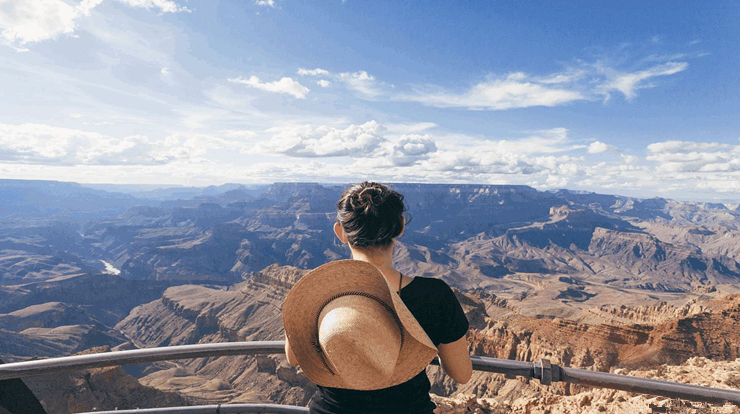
<point>361,340</point>
<point>316,295</point>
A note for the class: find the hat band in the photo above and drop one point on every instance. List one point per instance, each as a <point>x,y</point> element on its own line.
<point>315,341</point>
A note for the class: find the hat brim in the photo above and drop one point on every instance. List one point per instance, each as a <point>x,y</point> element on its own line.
<point>303,305</point>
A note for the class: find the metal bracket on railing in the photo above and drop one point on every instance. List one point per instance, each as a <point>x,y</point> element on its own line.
<point>543,371</point>
<point>546,372</point>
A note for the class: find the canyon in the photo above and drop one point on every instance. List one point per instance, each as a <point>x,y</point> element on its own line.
<point>610,283</point>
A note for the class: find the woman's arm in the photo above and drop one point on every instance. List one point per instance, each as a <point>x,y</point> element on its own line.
<point>292,360</point>
<point>456,360</point>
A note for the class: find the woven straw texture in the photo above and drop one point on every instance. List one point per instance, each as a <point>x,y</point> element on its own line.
<point>303,305</point>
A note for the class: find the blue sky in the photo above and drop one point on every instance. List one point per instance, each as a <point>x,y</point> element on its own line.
<point>621,97</point>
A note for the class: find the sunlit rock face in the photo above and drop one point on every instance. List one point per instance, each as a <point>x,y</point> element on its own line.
<point>613,337</point>
<point>596,281</point>
<point>517,397</point>
<point>96,389</point>
<point>247,311</point>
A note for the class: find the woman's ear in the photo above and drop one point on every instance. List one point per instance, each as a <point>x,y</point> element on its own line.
<point>339,231</point>
<point>402,228</point>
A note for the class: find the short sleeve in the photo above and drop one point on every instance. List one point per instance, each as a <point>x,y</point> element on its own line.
<point>453,323</point>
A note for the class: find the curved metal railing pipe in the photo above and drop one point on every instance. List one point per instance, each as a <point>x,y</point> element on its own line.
<point>137,356</point>
<point>215,409</point>
<point>542,370</point>
<point>641,385</point>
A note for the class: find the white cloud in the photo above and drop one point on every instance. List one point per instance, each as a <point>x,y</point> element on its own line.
<point>683,146</point>
<point>412,127</point>
<point>543,159</point>
<point>586,81</point>
<point>542,142</point>
<point>440,157</point>
<point>569,76</point>
<point>284,85</point>
<point>695,157</point>
<point>30,21</point>
<point>49,145</point>
<point>269,3</point>
<point>239,133</point>
<point>515,90</point>
<point>629,83</point>
<point>597,147</point>
<point>414,145</point>
<point>313,72</point>
<point>361,82</point>
<point>166,75</point>
<point>23,22</point>
<point>580,81</point>
<point>555,182</point>
<point>324,141</point>
<point>629,159</point>
<point>87,5</point>
<point>721,183</point>
<point>163,6</point>
<point>410,149</point>
<point>367,141</point>
<point>481,158</point>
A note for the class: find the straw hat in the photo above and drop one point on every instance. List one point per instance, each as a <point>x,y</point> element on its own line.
<point>349,328</point>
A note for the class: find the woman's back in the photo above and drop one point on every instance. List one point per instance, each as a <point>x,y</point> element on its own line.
<point>370,216</point>
<point>437,310</point>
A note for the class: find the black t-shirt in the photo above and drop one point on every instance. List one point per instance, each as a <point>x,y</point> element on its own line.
<point>438,311</point>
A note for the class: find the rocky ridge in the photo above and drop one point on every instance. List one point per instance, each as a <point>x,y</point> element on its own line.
<point>539,273</point>
<point>470,235</point>
<point>98,389</point>
<point>247,311</point>
<point>517,397</point>
<point>250,311</point>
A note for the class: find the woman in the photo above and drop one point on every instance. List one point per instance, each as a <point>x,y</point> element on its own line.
<point>369,219</point>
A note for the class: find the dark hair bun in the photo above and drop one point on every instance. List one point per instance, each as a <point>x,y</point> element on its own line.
<point>368,200</point>
<point>371,214</point>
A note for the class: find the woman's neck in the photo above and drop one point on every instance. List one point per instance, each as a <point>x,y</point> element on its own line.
<point>381,259</point>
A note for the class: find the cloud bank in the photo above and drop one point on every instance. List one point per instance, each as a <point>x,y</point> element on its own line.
<point>546,159</point>
<point>515,90</point>
<point>595,81</point>
<point>31,21</point>
<point>585,82</point>
<point>49,145</point>
<point>323,141</point>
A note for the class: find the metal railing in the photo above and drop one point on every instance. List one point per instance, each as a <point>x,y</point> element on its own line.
<point>137,356</point>
<point>542,370</point>
<point>215,409</point>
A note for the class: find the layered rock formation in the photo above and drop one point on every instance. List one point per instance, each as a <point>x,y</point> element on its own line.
<point>469,234</point>
<point>587,280</point>
<point>60,317</point>
<point>532,399</point>
<point>712,334</point>
<point>98,389</point>
<point>250,311</point>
